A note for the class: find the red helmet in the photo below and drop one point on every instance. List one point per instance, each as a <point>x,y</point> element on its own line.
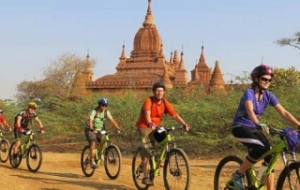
<point>261,70</point>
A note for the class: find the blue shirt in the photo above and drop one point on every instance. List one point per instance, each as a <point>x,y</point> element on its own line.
<point>241,117</point>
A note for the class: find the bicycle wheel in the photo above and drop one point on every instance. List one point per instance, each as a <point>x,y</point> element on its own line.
<point>14,159</point>
<point>176,171</point>
<point>4,149</point>
<point>283,182</point>
<point>34,158</point>
<point>112,161</point>
<point>137,171</point>
<point>226,167</point>
<point>85,162</point>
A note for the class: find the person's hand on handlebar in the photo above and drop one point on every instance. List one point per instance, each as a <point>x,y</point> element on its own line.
<point>187,127</point>
<point>263,127</point>
<point>152,125</point>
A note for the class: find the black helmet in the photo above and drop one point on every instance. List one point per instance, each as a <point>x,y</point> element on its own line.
<point>158,85</point>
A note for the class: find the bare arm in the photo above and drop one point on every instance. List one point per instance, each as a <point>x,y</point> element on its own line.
<point>6,124</point>
<point>286,115</point>
<point>179,119</point>
<point>250,112</point>
<point>39,122</point>
<point>115,124</point>
<point>147,116</point>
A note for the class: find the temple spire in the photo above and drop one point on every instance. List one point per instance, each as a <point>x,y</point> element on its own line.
<point>149,17</point>
<point>181,64</point>
<point>123,56</point>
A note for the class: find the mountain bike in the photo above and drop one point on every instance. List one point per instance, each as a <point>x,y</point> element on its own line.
<point>289,177</point>
<point>176,167</point>
<point>4,146</point>
<point>28,149</point>
<point>106,151</point>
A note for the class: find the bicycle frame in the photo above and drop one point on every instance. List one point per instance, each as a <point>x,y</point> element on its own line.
<point>164,146</point>
<point>103,144</point>
<point>280,149</point>
<point>26,143</point>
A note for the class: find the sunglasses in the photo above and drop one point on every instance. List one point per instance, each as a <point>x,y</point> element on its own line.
<point>265,79</point>
<point>103,105</point>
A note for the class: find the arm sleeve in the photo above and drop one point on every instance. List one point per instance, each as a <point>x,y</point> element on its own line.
<point>109,116</point>
<point>170,109</point>
<point>147,104</point>
<point>92,115</point>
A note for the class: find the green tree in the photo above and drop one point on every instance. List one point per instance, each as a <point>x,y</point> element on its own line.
<point>286,78</point>
<point>293,42</point>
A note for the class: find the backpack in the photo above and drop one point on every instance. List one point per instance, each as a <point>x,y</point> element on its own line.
<point>291,138</point>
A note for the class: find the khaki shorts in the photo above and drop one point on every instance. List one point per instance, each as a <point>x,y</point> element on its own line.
<point>147,140</point>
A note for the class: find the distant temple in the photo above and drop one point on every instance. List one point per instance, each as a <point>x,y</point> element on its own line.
<point>147,64</point>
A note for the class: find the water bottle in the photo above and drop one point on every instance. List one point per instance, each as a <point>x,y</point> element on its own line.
<point>261,173</point>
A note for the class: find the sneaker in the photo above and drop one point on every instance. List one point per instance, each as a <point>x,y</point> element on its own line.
<point>238,181</point>
<point>147,181</point>
<point>93,164</point>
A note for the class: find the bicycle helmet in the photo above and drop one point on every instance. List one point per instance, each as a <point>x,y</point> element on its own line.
<point>103,101</point>
<point>32,105</point>
<point>158,85</point>
<point>261,70</point>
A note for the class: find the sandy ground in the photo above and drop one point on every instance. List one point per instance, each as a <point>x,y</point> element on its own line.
<point>61,171</point>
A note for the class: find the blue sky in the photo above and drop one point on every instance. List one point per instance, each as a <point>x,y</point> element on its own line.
<point>236,33</point>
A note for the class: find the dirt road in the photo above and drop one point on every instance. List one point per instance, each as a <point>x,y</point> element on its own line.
<point>61,171</point>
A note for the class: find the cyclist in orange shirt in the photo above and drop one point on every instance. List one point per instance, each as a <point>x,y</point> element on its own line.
<point>3,121</point>
<point>153,111</point>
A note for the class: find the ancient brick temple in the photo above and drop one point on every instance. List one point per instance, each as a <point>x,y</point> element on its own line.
<point>147,64</point>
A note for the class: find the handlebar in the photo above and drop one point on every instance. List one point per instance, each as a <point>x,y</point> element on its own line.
<point>168,129</point>
<point>275,131</point>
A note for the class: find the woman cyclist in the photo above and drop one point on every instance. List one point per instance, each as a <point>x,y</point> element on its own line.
<point>96,124</point>
<point>246,122</point>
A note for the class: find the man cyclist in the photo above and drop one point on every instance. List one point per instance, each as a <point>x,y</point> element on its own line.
<point>246,122</point>
<point>153,111</point>
<point>96,124</point>
<point>22,121</point>
<point>3,122</point>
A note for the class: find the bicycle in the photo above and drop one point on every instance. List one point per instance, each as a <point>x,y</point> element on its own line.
<point>230,164</point>
<point>28,149</point>
<point>176,162</point>
<point>111,156</point>
<point>4,146</point>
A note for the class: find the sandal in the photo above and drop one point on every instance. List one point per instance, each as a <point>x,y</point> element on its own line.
<point>147,181</point>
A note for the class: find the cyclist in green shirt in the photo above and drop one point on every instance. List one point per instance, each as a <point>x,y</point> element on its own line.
<point>96,123</point>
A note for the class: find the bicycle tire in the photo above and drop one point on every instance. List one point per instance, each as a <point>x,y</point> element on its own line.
<point>14,162</point>
<point>293,167</point>
<point>85,160</point>
<point>177,170</point>
<point>4,150</point>
<point>137,173</point>
<point>112,159</point>
<point>34,155</point>
<point>236,160</point>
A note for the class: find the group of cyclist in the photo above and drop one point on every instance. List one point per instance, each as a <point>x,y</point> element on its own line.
<point>246,127</point>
